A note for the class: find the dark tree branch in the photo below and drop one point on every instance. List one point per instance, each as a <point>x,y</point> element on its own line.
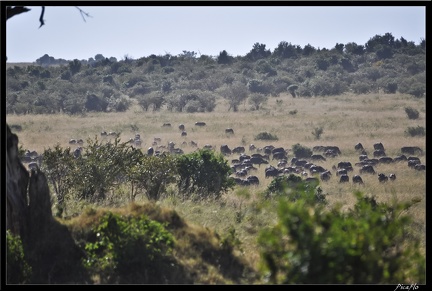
<point>83,13</point>
<point>41,17</point>
<point>11,11</point>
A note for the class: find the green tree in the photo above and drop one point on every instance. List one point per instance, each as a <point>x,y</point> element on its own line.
<point>369,244</point>
<point>224,58</point>
<point>203,173</point>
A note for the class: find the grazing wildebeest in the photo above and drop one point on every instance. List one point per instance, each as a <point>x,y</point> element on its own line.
<point>229,131</point>
<point>150,151</point>
<point>317,157</point>
<point>243,157</point>
<point>363,157</point>
<point>258,160</point>
<point>300,163</point>
<point>199,123</point>
<point>367,169</point>
<point>325,176</point>
<point>344,178</point>
<point>104,133</point>
<point>316,169</point>
<point>166,125</point>
<point>252,147</point>
<point>345,165</point>
<point>239,150</point>
<point>411,150</point>
<point>357,179</point>
<point>72,141</point>
<point>385,160</point>
<point>184,133</point>
<point>193,144</point>
<point>379,153</point>
<point>420,167</point>
<point>80,141</point>
<point>279,156</point>
<point>400,158</point>
<point>341,172</point>
<point>378,146</point>
<point>225,149</point>
<point>382,177</point>
<point>359,147</point>
<point>253,180</point>
<point>278,150</point>
<point>271,172</point>
<point>181,127</point>
<point>77,152</point>
<point>208,146</point>
<point>392,176</point>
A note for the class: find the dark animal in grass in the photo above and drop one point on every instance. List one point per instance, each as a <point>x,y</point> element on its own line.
<point>382,177</point>
<point>357,179</point>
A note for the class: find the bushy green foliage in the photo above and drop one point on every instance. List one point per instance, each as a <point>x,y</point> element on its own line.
<point>152,174</point>
<point>301,151</point>
<point>128,249</point>
<point>412,113</point>
<point>203,174</point>
<point>415,131</point>
<point>266,136</point>
<point>18,270</point>
<point>369,244</point>
<point>293,187</point>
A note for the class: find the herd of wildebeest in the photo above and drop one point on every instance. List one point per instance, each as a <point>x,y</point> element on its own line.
<point>245,162</point>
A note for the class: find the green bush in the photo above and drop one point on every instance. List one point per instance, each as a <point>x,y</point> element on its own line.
<point>265,136</point>
<point>369,244</point>
<point>203,173</point>
<point>415,131</point>
<point>129,250</point>
<point>301,151</point>
<point>294,187</point>
<point>18,270</point>
<point>412,113</point>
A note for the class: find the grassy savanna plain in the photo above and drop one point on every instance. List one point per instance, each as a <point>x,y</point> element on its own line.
<point>346,120</point>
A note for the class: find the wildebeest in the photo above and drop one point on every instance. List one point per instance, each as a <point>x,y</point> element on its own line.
<point>183,133</point>
<point>385,160</point>
<point>357,179</point>
<point>181,127</point>
<point>279,156</point>
<point>193,144</point>
<point>77,152</point>
<point>411,150</point>
<point>420,167</point>
<point>392,176</point>
<point>344,178</point>
<point>229,131</point>
<point>378,146</point>
<point>379,153</point>
<point>345,165</point>
<point>367,169</point>
<point>359,147</point>
<point>341,172</point>
<point>271,172</point>
<point>104,133</point>
<point>325,176</point>
<point>72,141</point>
<point>252,147</point>
<point>239,150</point>
<point>382,177</point>
<point>363,157</point>
<point>400,158</point>
<point>316,169</point>
<point>166,125</point>
<point>253,180</point>
<point>225,149</point>
<point>200,123</point>
<point>150,151</point>
<point>316,157</point>
<point>258,160</point>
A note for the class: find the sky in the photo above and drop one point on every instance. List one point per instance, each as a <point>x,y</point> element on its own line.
<point>140,31</point>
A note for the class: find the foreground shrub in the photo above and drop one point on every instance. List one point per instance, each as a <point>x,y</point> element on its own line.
<point>369,244</point>
<point>18,270</point>
<point>203,173</point>
<point>129,250</point>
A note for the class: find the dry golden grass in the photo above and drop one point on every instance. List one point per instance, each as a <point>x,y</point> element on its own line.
<point>346,120</point>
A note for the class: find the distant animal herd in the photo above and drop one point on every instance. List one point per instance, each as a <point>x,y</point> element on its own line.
<point>244,162</point>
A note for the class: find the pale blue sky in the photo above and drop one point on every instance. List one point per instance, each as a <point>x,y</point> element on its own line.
<point>117,31</point>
